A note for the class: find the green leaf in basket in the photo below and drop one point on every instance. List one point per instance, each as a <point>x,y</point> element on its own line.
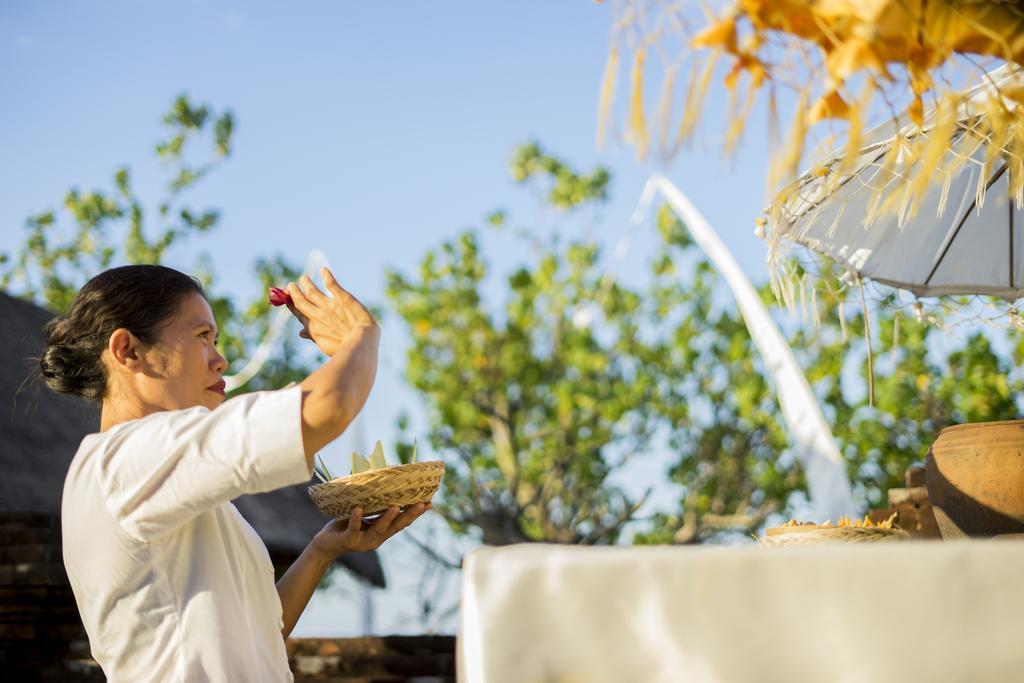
<point>359,463</point>
<point>377,459</point>
<point>321,469</point>
<point>412,458</point>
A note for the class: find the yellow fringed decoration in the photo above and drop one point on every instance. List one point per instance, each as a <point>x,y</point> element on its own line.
<point>835,221</point>
<point>738,120</point>
<point>611,72</point>
<point>937,147</point>
<point>787,161</point>
<point>773,119</point>
<point>855,135</point>
<point>886,175</point>
<point>915,112</point>
<point>897,47</point>
<point>947,183</point>
<point>867,342</point>
<point>1015,161</point>
<point>830,106</point>
<point>992,151</point>
<point>637,131</point>
<point>663,115</point>
<point>695,98</point>
<point>720,35</point>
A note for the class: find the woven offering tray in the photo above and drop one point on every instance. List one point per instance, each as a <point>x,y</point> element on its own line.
<point>810,534</point>
<point>846,531</point>
<point>378,489</point>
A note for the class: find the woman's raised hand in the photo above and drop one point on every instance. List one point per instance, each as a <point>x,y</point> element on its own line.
<point>327,318</point>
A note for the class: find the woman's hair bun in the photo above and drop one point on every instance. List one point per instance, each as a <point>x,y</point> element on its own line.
<point>74,369</point>
<point>138,298</point>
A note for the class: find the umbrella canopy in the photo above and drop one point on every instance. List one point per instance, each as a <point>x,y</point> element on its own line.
<point>936,210</point>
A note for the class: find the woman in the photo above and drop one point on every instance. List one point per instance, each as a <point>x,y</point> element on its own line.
<point>171,582</point>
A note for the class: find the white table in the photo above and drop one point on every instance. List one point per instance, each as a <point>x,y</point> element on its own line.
<point>901,611</point>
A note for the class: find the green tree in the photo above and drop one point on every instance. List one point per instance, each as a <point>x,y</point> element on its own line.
<point>916,393</point>
<point>103,228</point>
<point>534,411</point>
<point>536,405</point>
<point>726,436</point>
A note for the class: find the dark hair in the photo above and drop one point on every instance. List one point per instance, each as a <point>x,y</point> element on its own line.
<point>137,298</point>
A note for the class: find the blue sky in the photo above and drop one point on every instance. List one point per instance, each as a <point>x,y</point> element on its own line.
<point>371,131</point>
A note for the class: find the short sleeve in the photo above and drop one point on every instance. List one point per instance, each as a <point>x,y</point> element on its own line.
<point>159,472</point>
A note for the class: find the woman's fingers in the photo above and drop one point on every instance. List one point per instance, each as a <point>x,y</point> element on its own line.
<point>309,301</point>
<point>411,513</point>
<point>312,292</point>
<point>362,535</point>
<point>300,301</point>
<point>320,332</point>
<point>332,284</point>
<point>381,526</point>
<point>406,518</point>
<point>348,305</point>
<point>355,522</point>
<point>302,318</point>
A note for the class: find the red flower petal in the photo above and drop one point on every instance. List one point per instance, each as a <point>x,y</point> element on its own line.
<point>279,297</point>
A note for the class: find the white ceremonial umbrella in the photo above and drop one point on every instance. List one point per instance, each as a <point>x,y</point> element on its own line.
<point>964,238</point>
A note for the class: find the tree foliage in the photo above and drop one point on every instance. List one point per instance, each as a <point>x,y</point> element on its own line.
<point>918,391</point>
<point>537,403</point>
<point>99,229</point>
<point>528,403</point>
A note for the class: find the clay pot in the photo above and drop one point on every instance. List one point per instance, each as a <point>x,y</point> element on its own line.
<point>975,479</point>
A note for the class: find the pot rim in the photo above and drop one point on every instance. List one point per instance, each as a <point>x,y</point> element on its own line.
<point>980,425</point>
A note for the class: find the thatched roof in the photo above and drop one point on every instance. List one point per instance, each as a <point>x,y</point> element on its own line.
<point>39,429</point>
<point>40,432</point>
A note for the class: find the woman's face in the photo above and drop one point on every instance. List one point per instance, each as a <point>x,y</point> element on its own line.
<point>184,367</point>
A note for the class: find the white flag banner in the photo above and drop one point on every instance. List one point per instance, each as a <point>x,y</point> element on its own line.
<point>828,484</point>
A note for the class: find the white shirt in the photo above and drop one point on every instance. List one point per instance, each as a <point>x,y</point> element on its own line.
<point>171,582</point>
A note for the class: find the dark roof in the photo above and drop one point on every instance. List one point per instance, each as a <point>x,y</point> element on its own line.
<point>40,431</point>
<point>287,519</point>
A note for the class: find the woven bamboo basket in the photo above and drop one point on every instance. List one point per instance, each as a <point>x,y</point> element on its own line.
<point>811,535</point>
<point>377,490</point>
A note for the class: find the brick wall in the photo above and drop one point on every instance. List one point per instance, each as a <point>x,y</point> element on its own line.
<point>41,636</point>
<point>390,659</point>
<point>912,507</point>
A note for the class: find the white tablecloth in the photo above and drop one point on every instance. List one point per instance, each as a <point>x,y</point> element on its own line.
<point>902,611</point>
